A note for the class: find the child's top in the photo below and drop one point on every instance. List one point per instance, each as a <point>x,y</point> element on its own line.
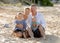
<point>23,22</point>
<point>34,23</point>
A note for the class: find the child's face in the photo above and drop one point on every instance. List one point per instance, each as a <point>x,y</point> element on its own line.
<point>34,22</point>
<point>33,19</point>
<point>27,11</point>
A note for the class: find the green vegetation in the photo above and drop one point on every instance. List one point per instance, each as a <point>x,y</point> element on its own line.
<point>39,2</point>
<point>46,3</point>
<point>25,2</point>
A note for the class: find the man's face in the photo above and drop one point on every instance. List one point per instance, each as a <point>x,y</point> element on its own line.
<point>33,9</point>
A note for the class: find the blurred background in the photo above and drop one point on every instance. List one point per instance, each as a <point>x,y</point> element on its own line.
<point>29,2</point>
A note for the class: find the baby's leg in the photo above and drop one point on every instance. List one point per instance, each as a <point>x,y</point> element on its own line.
<point>24,34</point>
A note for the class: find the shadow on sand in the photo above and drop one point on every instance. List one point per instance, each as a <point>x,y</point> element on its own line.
<point>49,39</point>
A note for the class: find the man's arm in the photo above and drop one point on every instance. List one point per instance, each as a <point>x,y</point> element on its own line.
<point>43,23</point>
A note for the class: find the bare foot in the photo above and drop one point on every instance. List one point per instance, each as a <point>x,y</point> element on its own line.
<point>44,37</point>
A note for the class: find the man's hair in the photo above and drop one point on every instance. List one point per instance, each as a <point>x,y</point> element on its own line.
<point>33,5</point>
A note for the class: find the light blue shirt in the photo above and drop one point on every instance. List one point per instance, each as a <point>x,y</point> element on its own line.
<point>39,19</point>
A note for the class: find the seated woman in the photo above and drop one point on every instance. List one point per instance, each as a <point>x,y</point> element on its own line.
<point>20,28</point>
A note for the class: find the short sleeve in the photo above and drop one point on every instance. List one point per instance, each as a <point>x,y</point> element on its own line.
<point>16,22</point>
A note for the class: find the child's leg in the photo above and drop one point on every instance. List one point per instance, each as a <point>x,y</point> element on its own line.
<point>24,34</point>
<point>27,34</point>
<point>17,34</point>
<point>30,32</point>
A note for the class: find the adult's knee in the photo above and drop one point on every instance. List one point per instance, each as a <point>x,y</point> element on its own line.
<point>41,28</point>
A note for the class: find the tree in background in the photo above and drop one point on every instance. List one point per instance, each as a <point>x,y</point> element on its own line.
<point>38,2</point>
<point>45,2</point>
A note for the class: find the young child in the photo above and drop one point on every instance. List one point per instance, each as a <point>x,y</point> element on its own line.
<point>20,26</point>
<point>34,23</point>
<point>26,16</point>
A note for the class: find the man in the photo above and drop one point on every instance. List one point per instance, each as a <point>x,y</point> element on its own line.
<point>40,30</point>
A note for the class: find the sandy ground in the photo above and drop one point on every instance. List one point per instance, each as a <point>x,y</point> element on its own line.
<point>51,15</point>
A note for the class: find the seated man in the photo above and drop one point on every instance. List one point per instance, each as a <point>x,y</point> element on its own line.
<point>34,27</point>
<point>38,27</point>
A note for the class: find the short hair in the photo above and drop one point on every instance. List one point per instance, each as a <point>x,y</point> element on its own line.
<point>19,13</point>
<point>27,8</point>
<point>33,5</point>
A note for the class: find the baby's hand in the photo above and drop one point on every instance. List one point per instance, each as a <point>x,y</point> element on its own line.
<point>34,25</point>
